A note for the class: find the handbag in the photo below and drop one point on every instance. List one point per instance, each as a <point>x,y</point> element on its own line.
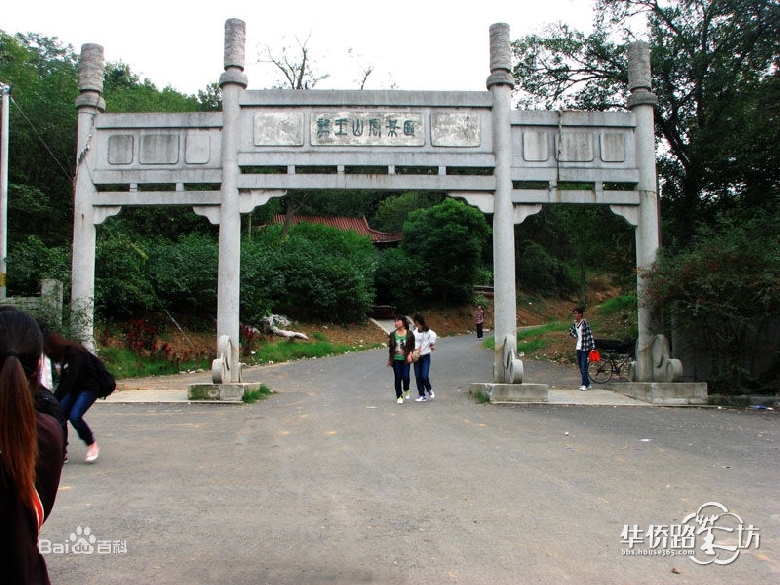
<point>594,356</point>
<point>415,355</point>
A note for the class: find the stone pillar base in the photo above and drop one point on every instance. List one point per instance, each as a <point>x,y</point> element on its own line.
<point>664,393</point>
<point>233,392</point>
<point>511,392</point>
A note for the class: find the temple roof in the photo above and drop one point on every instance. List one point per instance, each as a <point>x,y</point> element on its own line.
<point>356,224</point>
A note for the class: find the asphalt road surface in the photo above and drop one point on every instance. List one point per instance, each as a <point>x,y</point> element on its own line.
<point>330,481</point>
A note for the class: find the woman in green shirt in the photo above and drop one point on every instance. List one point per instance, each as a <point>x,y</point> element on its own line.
<point>400,344</point>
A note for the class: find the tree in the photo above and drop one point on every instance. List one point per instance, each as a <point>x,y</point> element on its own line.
<point>584,238</point>
<point>447,239</point>
<point>715,70</point>
<point>297,71</point>
<point>715,64</point>
<point>321,272</point>
<point>394,210</point>
<point>400,280</point>
<point>42,136</point>
<point>124,91</point>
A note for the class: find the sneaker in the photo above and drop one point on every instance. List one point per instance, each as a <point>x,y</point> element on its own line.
<point>92,453</point>
<point>583,388</point>
<point>400,400</point>
<point>431,394</point>
<point>406,396</point>
<point>588,388</point>
<point>420,399</point>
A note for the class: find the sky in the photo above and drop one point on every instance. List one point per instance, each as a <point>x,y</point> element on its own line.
<point>411,45</point>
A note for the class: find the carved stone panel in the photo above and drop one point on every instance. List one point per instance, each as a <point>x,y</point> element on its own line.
<point>197,149</point>
<point>455,129</point>
<point>612,146</point>
<point>159,149</point>
<point>278,129</point>
<point>535,146</point>
<point>120,149</point>
<point>574,146</point>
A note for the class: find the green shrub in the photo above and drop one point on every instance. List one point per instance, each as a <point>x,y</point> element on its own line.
<point>723,293</point>
<point>539,272</point>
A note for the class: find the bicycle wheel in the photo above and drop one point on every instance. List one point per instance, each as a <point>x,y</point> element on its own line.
<point>599,371</point>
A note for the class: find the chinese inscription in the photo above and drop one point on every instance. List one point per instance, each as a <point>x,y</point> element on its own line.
<point>367,129</point>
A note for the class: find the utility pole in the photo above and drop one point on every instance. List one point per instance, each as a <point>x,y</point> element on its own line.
<point>5,90</point>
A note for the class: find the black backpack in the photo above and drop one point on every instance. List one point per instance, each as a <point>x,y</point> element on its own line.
<point>105,380</point>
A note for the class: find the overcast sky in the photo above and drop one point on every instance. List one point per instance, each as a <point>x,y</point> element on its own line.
<point>414,45</point>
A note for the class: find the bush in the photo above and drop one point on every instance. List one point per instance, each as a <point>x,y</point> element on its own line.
<point>184,273</point>
<point>318,273</point>
<point>724,292</point>
<point>29,262</point>
<point>399,281</point>
<point>122,285</point>
<point>539,272</point>
<point>447,240</point>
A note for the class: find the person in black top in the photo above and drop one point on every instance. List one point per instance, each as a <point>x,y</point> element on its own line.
<point>31,452</point>
<point>78,387</point>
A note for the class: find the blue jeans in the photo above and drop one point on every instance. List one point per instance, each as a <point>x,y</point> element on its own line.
<point>74,405</point>
<point>582,361</point>
<point>422,368</point>
<point>401,375</point>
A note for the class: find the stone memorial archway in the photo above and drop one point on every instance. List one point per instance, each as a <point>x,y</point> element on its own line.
<point>335,140</point>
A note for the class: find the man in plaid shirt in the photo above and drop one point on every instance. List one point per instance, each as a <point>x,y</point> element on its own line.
<point>580,330</point>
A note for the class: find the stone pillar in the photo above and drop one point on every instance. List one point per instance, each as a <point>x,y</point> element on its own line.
<point>642,102</point>
<point>89,104</point>
<point>232,82</point>
<point>500,84</point>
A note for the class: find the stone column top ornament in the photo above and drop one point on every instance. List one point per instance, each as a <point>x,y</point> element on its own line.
<point>500,56</point>
<point>235,42</point>
<point>639,75</point>
<point>91,68</point>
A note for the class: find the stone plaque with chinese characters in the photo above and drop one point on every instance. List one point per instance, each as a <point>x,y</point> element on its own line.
<point>367,129</point>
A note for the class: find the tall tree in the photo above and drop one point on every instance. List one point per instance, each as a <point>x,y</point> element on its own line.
<point>42,135</point>
<point>715,66</point>
<point>448,240</point>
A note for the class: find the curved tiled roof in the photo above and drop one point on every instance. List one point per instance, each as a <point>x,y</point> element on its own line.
<point>356,224</point>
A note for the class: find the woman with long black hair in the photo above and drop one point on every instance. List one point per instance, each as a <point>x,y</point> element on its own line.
<point>78,388</point>
<point>31,451</point>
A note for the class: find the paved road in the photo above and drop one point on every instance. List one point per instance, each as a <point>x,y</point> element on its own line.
<point>331,481</point>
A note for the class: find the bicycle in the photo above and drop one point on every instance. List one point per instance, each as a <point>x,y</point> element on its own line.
<point>616,356</point>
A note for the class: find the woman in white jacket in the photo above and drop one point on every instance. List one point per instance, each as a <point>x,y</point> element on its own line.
<point>424,344</point>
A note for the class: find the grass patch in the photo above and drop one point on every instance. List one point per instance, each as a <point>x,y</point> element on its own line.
<point>538,338</point>
<point>480,397</point>
<point>533,339</point>
<point>125,363</point>
<point>616,305</point>
<point>285,351</point>
<point>258,394</point>
<point>616,318</point>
